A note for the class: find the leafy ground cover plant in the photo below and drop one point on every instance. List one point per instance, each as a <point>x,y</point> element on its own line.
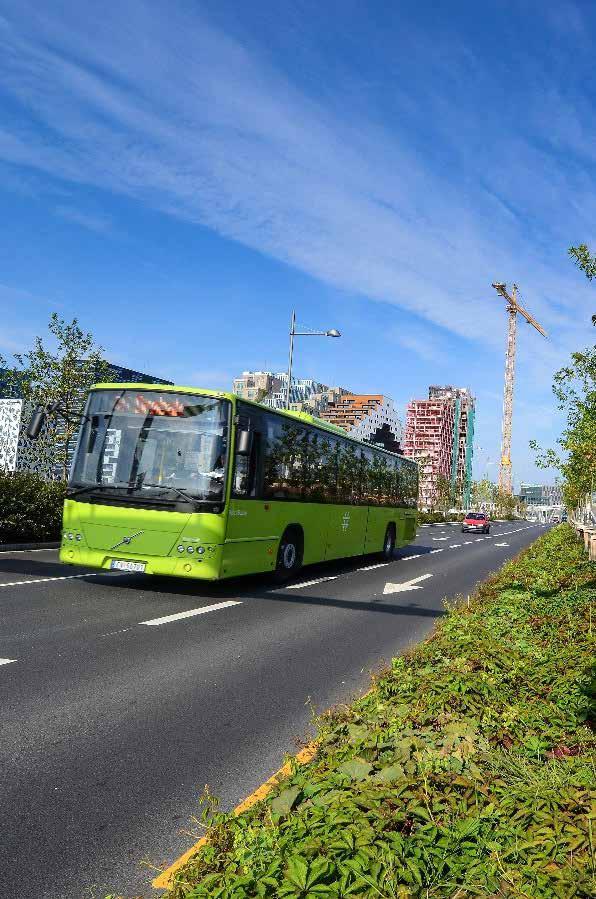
<point>467,770</point>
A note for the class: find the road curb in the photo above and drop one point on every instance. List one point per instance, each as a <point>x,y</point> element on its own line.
<point>163,880</point>
<point>16,547</point>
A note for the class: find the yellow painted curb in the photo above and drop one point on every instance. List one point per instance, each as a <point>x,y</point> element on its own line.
<point>163,881</point>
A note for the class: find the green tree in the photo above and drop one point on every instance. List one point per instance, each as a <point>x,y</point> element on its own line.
<point>505,502</point>
<point>443,492</point>
<point>61,377</point>
<point>483,491</point>
<point>574,387</point>
<point>586,262</point>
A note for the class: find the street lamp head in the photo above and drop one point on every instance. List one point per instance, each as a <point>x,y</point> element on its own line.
<point>333,333</point>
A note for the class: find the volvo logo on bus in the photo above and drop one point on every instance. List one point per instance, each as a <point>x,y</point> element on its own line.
<point>126,540</point>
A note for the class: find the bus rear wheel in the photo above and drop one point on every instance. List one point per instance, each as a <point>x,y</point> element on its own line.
<point>289,555</point>
<point>388,543</point>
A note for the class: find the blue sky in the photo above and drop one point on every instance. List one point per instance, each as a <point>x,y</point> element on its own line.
<point>181,175</point>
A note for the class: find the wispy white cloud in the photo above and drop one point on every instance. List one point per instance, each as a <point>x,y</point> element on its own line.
<point>91,221</point>
<point>422,343</point>
<point>155,103</point>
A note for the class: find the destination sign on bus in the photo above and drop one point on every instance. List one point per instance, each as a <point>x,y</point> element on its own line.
<point>143,405</point>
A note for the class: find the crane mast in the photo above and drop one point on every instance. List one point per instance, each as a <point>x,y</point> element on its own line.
<point>513,308</point>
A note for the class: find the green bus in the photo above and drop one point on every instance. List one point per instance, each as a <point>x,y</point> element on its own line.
<point>202,484</point>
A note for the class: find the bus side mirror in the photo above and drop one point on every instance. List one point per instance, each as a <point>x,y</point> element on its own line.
<point>244,441</point>
<point>38,420</point>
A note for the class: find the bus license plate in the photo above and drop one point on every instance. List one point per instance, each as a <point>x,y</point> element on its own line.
<point>125,565</point>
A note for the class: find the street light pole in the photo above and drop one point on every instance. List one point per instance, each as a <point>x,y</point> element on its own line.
<point>292,332</point>
<point>333,332</point>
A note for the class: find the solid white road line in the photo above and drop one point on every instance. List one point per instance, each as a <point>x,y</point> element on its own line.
<point>153,622</point>
<point>6,661</point>
<point>67,577</point>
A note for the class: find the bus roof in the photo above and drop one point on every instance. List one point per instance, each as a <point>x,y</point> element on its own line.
<point>287,413</point>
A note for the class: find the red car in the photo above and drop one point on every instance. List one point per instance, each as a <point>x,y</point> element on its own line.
<point>476,521</point>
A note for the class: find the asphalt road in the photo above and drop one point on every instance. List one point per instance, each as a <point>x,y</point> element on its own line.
<point>110,726</point>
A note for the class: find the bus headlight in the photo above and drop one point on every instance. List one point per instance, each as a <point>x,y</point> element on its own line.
<point>78,537</point>
<point>190,549</point>
<point>180,549</point>
<point>200,549</point>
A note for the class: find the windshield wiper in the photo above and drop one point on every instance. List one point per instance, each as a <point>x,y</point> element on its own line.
<point>75,491</point>
<point>182,493</point>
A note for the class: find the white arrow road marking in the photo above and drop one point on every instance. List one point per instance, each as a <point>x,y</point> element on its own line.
<point>191,612</point>
<point>500,544</point>
<point>408,585</point>
<point>6,661</point>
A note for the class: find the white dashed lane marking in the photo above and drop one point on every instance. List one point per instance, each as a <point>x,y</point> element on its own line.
<point>317,580</point>
<point>178,616</point>
<point>21,552</point>
<point>67,577</point>
<point>6,661</point>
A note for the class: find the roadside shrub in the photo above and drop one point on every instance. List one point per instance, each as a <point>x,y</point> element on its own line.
<point>438,517</point>
<point>30,508</point>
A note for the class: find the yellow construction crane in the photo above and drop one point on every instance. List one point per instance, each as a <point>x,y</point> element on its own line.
<point>513,307</point>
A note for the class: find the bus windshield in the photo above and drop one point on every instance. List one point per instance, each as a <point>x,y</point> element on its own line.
<point>142,444</point>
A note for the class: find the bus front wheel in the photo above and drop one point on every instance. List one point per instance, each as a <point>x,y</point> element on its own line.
<point>388,543</point>
<point>289,555</point>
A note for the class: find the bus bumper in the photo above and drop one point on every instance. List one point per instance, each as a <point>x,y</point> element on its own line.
<point>205,567</point>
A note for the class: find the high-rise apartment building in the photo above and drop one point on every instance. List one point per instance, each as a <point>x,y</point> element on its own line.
<point>269,388</point>
<point>371,417</point>
<point>440,436</point>
<point>256,385</point>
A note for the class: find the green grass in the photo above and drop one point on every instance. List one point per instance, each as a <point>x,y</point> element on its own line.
<point>468,770</point>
